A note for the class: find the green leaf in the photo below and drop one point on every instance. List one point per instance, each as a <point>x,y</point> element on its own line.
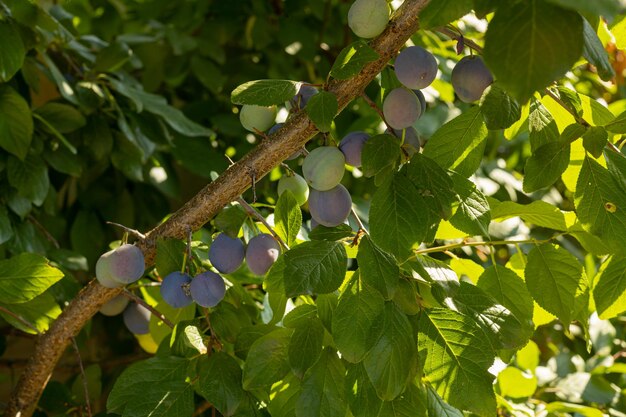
<point>16,123</point>
<point>62,117</point>
<point>352,59</point>
<point>595,139</point>
<point>570,99</point>
<point>514,383</point>
<point>220,382</point>
<point>331,233</point>
<point>434,184</point>
<point>187,339</point>
<point>552,276</point>
<point>538,47</point>
<point>300,316</point>
<point>362,396</point>
<point>437,406</point>
<point>160,330</point>
<point>170,394</point>
<point>618,124</point>
<point>267,360</point>
<point>287,217</point>
<point>541,126</point>
<point>577,409</point>
<point>399,216</point>
<point>230,220</point>
<point>6,231</point>
<point>315,267</point>
<point>155,104</point>
<point>284,397</point>
<point>264,92</point>
<point>502,328</point>
<point>30,177</point>
<point>378,268</point>
<point>601,204</point>
<point>459,144</point>
<point>440,13</point>
<point>393,358</point>
<point>322,109</point>
<point>546,165</point>
<point>499,109</point>
<point>12,50</point>
<point>41,312</point>
<point>472,212</point>
<point>508,289</point>
<point>25,276</point>
<point>606,8</point>
<point>169,256</point>
<point>323,388</point>
<point>456,358</point>
<point>380,155</point>
<point>112,57</point>
<point>353,325</point>
<point>538,212</point>
<point>305,346</point>
<point>609,291</point>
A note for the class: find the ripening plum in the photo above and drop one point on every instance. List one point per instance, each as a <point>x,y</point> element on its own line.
<point>302,97</point>
<point>470,78</point>
<point>422,100</point>
<point>114,306</point>
<point>368,18</point>
<point>412,140</point>
<point>120,266</point>
<point>415,67</point>
<point>175,289</point>
<point>226,253</point>
<point>259,118</point>
<point>297,185</point>
<point>262,252</point>
<point>352,145</point>
<point>401,108</point>
<point>330,208</point>
<point>323,168</point>
<point>207,289</point>
<point>137,319</point>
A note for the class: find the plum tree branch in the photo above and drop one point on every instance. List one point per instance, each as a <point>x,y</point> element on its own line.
<point>203,206</point>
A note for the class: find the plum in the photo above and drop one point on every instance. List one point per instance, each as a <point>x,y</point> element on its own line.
<point>137,319</point>
<point>114,306</point>
<point>120,266</point>
<point>302,97</point>
<point>297,185</point>
<point>412,140</point>
<point>175,289</point>
<point>368,18</point>
<point>207,289</point>
<point>401,108</point>
<point>226,253</point>
<point>470,78</point>
<point>330,208</point>
<point>323,168</point>
<point>415,67</point>
<point>352,145</point>
<point>422,100</point>
<point>259,118</point>
<point>262,252</point>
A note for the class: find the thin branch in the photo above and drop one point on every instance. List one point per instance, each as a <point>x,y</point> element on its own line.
<point>83,375</point>
<point>128,230</point>
<point>254,213</point>
<point>203,207</point>
<point>44,231</point>
<point>20,319</point>
<point>373,105</point>
<point>153,310</point>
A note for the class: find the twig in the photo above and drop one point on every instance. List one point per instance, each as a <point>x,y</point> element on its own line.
<point>579,119</point>
<point>457,37</point>
<point>254,213</point>
<point>153,310</point>
<point>202,408</point>
<point>128,230</point>
<point>44,231</point>
<point>20,319</point>
<point>373,105</point>
<point>83,375</point>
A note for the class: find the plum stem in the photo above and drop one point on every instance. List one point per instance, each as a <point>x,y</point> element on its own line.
<point>153,310</point>
<point>254,213</point>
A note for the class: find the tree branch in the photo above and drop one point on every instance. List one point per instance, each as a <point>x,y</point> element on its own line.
<point>201,208</point>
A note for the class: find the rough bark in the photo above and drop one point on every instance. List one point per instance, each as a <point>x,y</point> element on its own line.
<point>201,208</point>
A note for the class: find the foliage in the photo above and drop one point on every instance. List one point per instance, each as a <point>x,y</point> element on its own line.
<point>484,273</point>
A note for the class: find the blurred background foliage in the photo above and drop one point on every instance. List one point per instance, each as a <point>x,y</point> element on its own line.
<point>119,110</point>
